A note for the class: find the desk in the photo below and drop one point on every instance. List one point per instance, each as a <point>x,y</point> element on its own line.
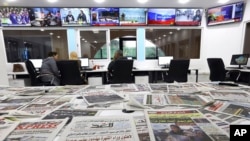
<point>151,72</point>
<point>241,71</point>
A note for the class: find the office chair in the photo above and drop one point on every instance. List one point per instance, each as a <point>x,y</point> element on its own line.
<point>178,71</point>
<point>122,71</point>
<point>35,77</point>
<point>70,72</point>
<point>218,71</point>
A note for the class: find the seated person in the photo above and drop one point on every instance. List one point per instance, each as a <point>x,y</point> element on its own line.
<point>73,56</point>
<point>49,71</point>
<point>118,55</point>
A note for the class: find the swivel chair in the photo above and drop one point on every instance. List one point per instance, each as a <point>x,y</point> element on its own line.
<point>178,71</point>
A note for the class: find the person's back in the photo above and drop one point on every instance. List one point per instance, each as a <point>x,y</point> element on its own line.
<point>49,70</point>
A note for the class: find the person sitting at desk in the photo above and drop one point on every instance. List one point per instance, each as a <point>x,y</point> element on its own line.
<point>118,55</point>
<point>49,71</point>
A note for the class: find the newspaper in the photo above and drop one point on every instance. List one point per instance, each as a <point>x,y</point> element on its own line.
<point>69,90</point>
<point>100,128</point>
<point>155,99</point>
<point>123,87</point>
<point>142,128</point>
<point>187,99</point>
<point>43,130</point>
<point>171,125</point>
<point>212,130</point>
<point>159,87</point>
<point>143,87</point>
<point>231,95</point>
<point>19,99</point>
<point>5,130</point>
<point>46,99</point>
<point>233,108</point>
<point>100,97</point>
<point>7,107</point>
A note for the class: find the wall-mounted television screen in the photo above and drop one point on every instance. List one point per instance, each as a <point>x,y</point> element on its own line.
<point>133,16</point>
<point>75,16</point>
<point>157,16</point>
<point>15,16</point>
<point>104,16</point>
<point>225,14</point>
<point>188,17</point>
<point>45,16</point>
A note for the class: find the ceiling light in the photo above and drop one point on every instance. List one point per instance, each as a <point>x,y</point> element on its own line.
<point>142,1</point>
<point>52,1</point>
<point>58,37</point>
<point>42,29</point>
<point>170,32</point>
<point>51,33</point>
<point>11,0</point>
<point>184,1</point>
<point>164,35</point>
<point>99,1</point>
<point>159,38</point>
<point>83,39</point>
<point>178,29</point>
<point>223,1</point>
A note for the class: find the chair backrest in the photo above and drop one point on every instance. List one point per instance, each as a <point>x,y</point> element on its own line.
<point>122,71</point>
<point>70,72</point>
<point>178,70</point>
<point>217,69</point>
<point>33,74</point>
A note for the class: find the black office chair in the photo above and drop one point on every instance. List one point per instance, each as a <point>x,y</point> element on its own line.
<point>35,78</point>
<point>122,72</point>
<point>70,72</point>
<point>218,71</point>
<point>178,71</point>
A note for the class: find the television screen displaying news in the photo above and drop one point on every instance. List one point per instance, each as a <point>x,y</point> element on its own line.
<point>14,16</point>
<point>104,16</point>
<point>45,17</point>
<point>75,16</point>
<point>239,59</point>
<point>230,13</point>
<point>188,17</point>
<point>157,16</point>
<point>133,16</point>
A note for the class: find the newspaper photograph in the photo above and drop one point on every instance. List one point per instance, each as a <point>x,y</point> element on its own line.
<point>95,97</point>
<point>69,90</point>
<point>123,87</point>
<point>142,128</point>
<point>6,127</point>
<point>212,130</point>
<point>43,130</point>
<point>46,99</point>
<point>159,87</point>
<point>231,95</point>
<point>100,128</point>
<point>143,87</point>
<point>19,99</point>
<point>176,125</point>
<point>186,99</point>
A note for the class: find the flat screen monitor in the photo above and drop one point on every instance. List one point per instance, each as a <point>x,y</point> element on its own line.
<point>36,62</point>
<point>188,16</point>
<point>45,17</point>
<point>84,62</point>
<point>161,16</point>
<point>239,59</point>
<point>133,16</point>
<point>104,16</point>
<point>75,16</point>
<point>15,16</point>
<point>230,13</point>
<point>164,61</point>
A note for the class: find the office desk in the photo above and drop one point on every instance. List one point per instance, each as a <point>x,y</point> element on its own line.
<point>151,72</point>
<point>243,70</point>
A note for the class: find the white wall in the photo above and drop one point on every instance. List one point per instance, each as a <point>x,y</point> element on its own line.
<point>3,72</point>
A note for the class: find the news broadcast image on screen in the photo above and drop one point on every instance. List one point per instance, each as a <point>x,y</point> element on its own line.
<point>188,17</point>
<point>14,16</point>
<point>161,16</point>
<point>105,16</point>
<point>225,14</point>
<point>45,17</point>
<point>133,16</point>
<point>75,16</point>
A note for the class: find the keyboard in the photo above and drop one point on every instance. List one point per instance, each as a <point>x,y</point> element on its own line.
<point>84,68</point>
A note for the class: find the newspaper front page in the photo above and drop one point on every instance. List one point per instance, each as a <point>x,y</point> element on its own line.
<point>100,128</point>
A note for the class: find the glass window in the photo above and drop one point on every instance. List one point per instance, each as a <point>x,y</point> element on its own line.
<point>184,43</point>
<point>94,44</point>
<point>34,44</point>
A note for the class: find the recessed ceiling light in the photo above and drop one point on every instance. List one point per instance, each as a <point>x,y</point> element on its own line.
<point>51,33</point>
<point>178,29</point>
<point>83,39</point>
<point>170,32</point>
<point>142,1</point>
<point>52,1</point>
<point>42,29</point>
<point>10,0</point>
<point>58,37</point>
<point>164,35</point>
<point>99,1</point>
<point>184,1</point>
<point>223,1</point>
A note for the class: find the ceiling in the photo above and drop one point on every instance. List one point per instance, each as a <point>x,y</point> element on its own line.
<point>113,3</point>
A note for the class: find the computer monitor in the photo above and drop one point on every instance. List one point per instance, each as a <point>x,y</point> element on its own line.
<point>36,62</point>
<point>164,61</point>
<point>84,62</point>
<point>239,59</point>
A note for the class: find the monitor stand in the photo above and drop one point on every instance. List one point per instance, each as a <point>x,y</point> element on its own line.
<point>239,67</point>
